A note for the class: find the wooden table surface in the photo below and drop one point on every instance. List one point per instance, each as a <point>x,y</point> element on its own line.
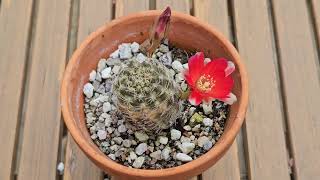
<point>278,40</point>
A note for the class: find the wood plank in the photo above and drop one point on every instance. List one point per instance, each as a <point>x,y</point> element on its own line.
<point>216,13</point>
<point>43,115</point>
<point>266,146</point>
<point>300,72</point>
<point>92,14</point>
<point>316,15</point>
<point>180,5</point>
<point>125,7</point>
<point>15,25</point>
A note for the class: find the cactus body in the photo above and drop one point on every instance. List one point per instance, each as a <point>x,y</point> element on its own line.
<point>147,95</point>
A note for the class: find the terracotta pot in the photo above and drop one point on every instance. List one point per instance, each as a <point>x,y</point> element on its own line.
<point>186,32</point>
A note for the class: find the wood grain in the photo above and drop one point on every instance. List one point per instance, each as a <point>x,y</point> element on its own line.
<point>43,115</point>
<point>180,5</point>
<point>125,7</point>
<point>266,147</point>
<point>15,24</point>
<point>216,13</point>
<point>92,14</point>
<point>300,72</point>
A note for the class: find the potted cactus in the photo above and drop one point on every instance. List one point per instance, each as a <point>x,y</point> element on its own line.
<point>143,101</point>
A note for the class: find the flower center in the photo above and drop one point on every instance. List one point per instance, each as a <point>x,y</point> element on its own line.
<point>205,83</point>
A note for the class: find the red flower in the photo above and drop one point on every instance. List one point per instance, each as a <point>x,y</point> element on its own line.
<point>209,81</point>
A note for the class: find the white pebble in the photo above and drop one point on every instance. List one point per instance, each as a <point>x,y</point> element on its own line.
<point>175,134</point>
<point>202,140</point>
<point>98,77</point>
<point>125,51</point>
<point>187,128</point>
<point>106,73</point>
<point>184,86</point>
<point>163,48</point>
<point>106,107</point>
<point>102,134</point>
<point>207,122</point>
<point>126,143</point>
<point>101,65</point>
<point>163,140</point>
<point>112,156</point>
<point>185,66</point>
<point>112,62</point>
<point>183,157</point>
<point>115,54</point>
<point>192,110</point>
<point>176,65</point>
<point>88,90</point>
<point>187,147</point>
<point>141,148</point>
<point>92,75</point>
<point>141,136</point>
<point>116,69</point>
<point>208,145</point>
<point>122,128</point>
<point>156,155</point>
<point>60,168</point>
<point>165,154</point>
<point>138,162</point>
<point>134,47</point>
<point>207,108</point>
<point>141,57</point>
<point>133,155</point>
<point>166,59</point>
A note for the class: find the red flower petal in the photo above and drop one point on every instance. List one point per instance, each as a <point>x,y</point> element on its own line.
<point>195,98</point>
<point>222,88</point>
<point>216,67</point>
<point>196,65</point>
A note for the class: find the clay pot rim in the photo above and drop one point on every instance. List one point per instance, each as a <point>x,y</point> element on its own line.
<point>215,152</point>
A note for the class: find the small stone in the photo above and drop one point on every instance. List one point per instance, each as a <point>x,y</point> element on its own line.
<point>183,157</point>
<point>184,86</point>
<point>159,54</point>
<point>166,59</point>
<point>207,108</point>
<point>133,155</point>
<point>207,122</point>
<point>115,54</point>
<point>184,139</point>
<point>116,69</point>
<point>106,107</point>
<point>202,140</point>
<point>192,137</point>
<point>106,73</point>
<point>117,140</point>
<point>94,136</point>
<point>141,136</point>
<point>88,90</point>
<point>138,162</point>
<point>92,75</point>
<point>122,129</point>
<point>207,60</point>
<point>196,128</point>
<point>196,118</point>
<point>114,147</point>
<point>141,57</point>
<point>98,77</point>
<point>187,147</point>
<point>156,155</point>
<point>110,130</point>
<point>141,148</point>
<point>208,145</point>
<point>112,156</point>
<point>163,48</point>
<point>166,41</point>
<point>192,110</point>
<point>185,66</point>
<point>126,143</point>
<point>176,65</point>
<point>112,62</point>
<point>165,154</point>
<point>163,140</point>
<point>187,128</point>
<point>175,134</point>
<point>60,168</point>
<point>102,134</point>
<point>135,47</point>
<point>101,65</point>
<point>125,51</point>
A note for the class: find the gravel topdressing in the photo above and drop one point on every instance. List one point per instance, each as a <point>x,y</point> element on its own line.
<point>194,133</point>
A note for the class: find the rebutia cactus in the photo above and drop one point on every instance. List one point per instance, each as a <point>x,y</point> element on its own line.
<point>147,95</point>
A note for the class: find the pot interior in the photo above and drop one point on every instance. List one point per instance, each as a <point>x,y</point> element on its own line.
<point>183,34</point>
